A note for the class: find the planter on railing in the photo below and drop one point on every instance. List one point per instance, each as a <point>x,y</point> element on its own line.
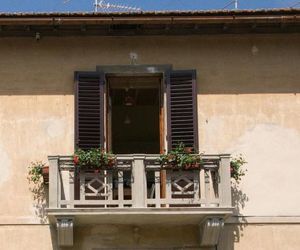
<point>94,159</point>
<point>180,158</point>
<point>188,185</point>
<point>190,166</point>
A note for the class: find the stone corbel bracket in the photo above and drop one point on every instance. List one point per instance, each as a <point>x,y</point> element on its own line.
<point>210,230</point>
<point>64,226</point>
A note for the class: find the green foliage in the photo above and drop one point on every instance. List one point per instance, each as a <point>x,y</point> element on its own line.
<point>35,171</point>
<point>95,158</point>
<point>180,158</point>
<point>236,169</point>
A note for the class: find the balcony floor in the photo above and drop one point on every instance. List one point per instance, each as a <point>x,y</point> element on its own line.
<point>139,216</point>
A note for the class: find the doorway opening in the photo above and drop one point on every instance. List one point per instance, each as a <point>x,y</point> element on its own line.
<point>134,114</point>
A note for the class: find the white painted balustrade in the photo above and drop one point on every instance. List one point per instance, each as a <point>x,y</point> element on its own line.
<point>138,181</point>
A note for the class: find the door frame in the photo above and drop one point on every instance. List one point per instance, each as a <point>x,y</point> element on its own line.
<point>149,69</point>
<point>162,70</point>
<point>161,107</point>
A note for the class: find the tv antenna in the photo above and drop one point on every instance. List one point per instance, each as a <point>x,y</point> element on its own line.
<point>234,2</point>
<point>295,4</point>
<point>101,5</point>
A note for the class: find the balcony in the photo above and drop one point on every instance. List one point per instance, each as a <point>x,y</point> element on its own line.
<point>137,191</point>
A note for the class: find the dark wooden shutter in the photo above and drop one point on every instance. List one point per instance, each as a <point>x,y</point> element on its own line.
<point>89,110</point>
<point>182,109</point>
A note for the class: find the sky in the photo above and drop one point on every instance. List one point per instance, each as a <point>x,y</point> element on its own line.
<point>145,5</point>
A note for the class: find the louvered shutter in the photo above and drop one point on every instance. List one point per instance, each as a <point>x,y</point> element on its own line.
<point>89,110</point>
<point>182,109</point>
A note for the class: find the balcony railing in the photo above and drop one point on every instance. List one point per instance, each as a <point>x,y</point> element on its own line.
<point>138,181</point>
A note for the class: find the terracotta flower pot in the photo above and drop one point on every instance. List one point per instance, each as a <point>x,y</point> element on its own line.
<point>192,166</point>
<point>175,167</point>
<point>188,150</point>
<point>45,173</point>
<point>75,159</point>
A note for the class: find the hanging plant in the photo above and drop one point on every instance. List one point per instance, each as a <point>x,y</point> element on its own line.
<point>236,168</point>
<point>38,172</point>
<point>38,177</point>
<point>180,158</point>
<point>95,158</point>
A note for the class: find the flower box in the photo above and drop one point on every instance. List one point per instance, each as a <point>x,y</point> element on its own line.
<point>181,158</point>
<point>94,159</point>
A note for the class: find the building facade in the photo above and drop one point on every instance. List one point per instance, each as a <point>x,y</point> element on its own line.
<point>242,74</point>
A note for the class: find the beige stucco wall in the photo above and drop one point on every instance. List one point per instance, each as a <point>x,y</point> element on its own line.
<point>260,237</point>
<point>33,237</point>
<point>248,102</point>
<point>113,237</point>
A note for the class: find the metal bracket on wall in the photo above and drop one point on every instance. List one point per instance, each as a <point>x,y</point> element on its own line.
<point>210,230</point>
<point>64,226</point>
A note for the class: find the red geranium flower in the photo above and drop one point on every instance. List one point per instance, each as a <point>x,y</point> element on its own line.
<point>75,159</point>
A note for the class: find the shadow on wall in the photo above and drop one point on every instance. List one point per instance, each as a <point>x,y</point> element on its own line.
<point>40,201</point>
<point>239,200</point>
<point>247,86</point>
<point>252,81</point>
<point>233,231</point>
<point>205,87</point>
<point>41,87</point>
<point>133,237</point>
<point>54,238</point>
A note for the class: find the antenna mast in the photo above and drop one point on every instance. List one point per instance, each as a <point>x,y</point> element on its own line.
<point>235,2</point>
<point>101,5</point>
<point>295,4</point>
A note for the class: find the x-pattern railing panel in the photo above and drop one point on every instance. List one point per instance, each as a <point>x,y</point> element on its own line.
<point>104,188</point>
<point>182,183</point>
